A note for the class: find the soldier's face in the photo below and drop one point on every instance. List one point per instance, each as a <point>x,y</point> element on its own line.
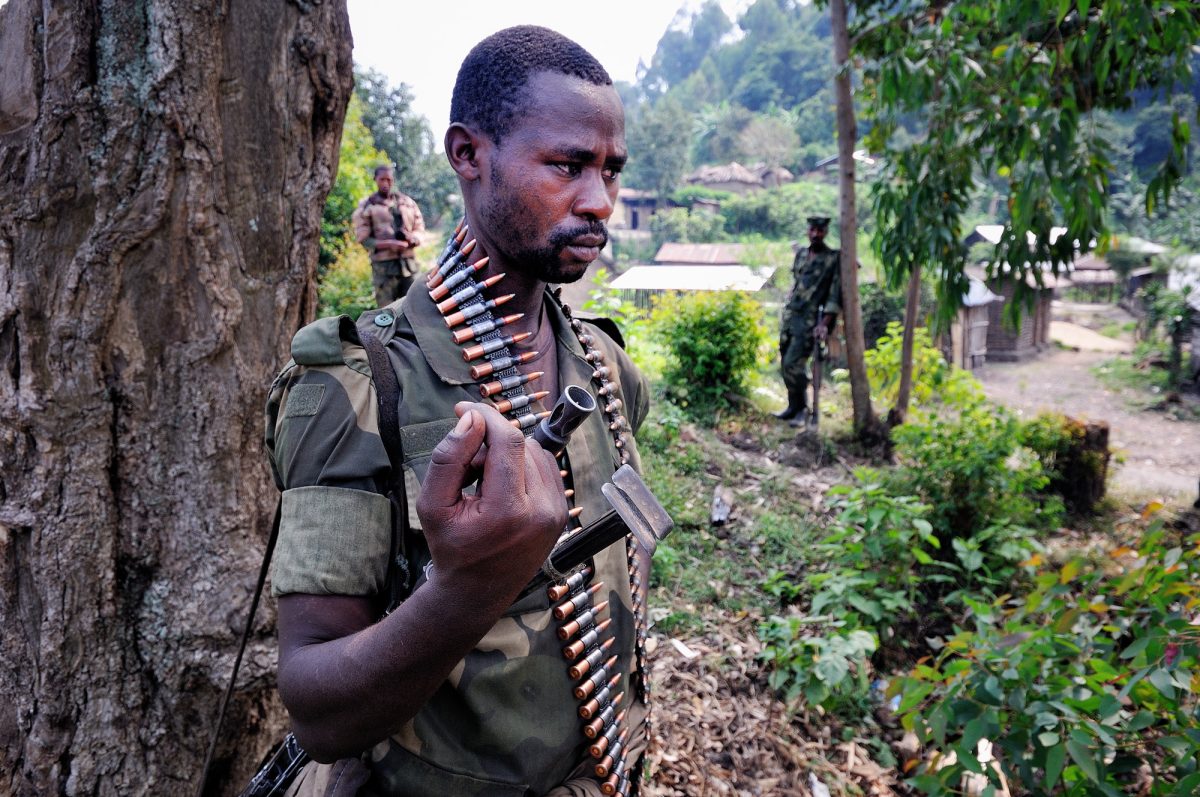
<point>383,181</point>
<point>816,234</point>
<point>552,182</point>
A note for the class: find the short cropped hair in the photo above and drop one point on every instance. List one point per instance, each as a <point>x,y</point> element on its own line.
<point>383,167</point>
<point>489,93</point>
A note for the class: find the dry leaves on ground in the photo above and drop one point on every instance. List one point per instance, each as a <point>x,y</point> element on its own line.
<point>719,729</point>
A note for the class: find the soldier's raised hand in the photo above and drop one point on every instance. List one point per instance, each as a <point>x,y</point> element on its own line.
<point>494,541</point>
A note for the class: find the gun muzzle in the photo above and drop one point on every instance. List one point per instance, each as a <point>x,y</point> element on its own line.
<point>572,409</point>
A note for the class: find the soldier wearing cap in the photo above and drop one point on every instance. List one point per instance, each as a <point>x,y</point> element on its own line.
<point>471,686</point>
<point>389,224</point>
<point>809,314</point>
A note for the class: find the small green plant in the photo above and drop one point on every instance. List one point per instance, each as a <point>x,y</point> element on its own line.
<point>975,473</point>
<point>933,379</point>
<point>876,546</point>
<point>713,340</point>
<point>831,671</point>
<point>1087,686</point>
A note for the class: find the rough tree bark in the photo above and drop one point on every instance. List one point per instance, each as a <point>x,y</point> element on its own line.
<point>866,424</point>
<point>162,172</point>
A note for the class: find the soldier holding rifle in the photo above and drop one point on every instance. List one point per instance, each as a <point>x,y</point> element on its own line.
<point>389,225</point>
<point>483,680</point>
<point>808,316</point>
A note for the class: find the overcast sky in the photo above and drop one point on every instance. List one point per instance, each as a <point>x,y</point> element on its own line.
<point>423,43</point>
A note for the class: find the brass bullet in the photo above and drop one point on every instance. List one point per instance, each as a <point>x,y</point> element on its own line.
<point>590,708</point>
<point>484,370</point>
<point>480,349</point>
<point>516,403</point>
<point>529,419</point>
<point>576,648</point>
<point>443,287</point>
<point>558,591</point>
<point>484,327</point>
<point>610,735</point>
<point>569,630</point>
<point>467,313</point>
<point>565,610</point>
<point>582,668</point>
<point>576,512</point>
<point>469,292</point>
<point>508,383</point>
<point>593,728</point>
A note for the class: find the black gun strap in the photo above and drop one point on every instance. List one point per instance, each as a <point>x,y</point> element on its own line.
<point>237,662</point>
<point>387,390</point>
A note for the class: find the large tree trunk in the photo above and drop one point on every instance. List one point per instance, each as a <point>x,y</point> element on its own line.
<point>866,425</point>
<point>162,172</point>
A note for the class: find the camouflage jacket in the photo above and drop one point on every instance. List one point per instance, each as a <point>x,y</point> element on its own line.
<point>817,284</point>
<point>377,219</point>
<point>505,722</point>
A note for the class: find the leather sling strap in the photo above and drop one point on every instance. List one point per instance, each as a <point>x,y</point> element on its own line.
<point>237,662</point>
<point>387,390</point>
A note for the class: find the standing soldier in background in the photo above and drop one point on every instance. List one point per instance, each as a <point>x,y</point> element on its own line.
<point>389,225</point>
<point>817,292</point>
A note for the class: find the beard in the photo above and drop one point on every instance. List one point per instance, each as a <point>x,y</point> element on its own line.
<point>515,227</point>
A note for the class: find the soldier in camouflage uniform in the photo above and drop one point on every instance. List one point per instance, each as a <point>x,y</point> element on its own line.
<point>389,225</point>
<point>459,692</point>
<point>809,314</point>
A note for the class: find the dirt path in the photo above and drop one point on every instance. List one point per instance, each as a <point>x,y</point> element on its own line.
<point>1162,455</point>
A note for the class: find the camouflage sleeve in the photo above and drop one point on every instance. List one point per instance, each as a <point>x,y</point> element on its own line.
<point>418,219</point>
<point>328,458</point>
<point>833,302</point>
<point>362,226</point>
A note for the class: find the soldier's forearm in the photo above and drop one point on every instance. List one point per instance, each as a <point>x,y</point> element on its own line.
<point>347,693</point>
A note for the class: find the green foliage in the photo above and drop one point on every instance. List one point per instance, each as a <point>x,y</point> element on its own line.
<point>1002,88</point>
<point>832,671</point>
<point>713,340</point>
<point>680,225</point>
<point>345,288</point>
<point>975,473</point>
<point>657,137</point>
<point>1085,685</point>
<point>875,549</point>
<point>933,379</point>
<point>357,160</point>
<point>779,212</point>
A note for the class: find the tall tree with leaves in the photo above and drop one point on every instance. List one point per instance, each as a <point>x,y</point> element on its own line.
<point>1007,88</point>
<point>659,136</point>
<point>866,424</point>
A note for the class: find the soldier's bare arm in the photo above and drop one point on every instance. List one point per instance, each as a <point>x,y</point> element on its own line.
<point>350,682</point>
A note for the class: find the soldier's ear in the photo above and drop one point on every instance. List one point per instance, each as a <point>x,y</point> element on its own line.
<point>463,148</point>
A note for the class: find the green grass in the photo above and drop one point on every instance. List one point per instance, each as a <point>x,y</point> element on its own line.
<point>701,570</point>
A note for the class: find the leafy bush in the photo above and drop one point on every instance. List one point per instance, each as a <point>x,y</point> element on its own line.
<point>975,473</point>
<point>778,212</point>
<point>345,288</point>
<point>829,671</point>
<point>681,225</point>
<point>1088,685</point>
<point>877,545</point>
<point>713,339</point>
<point>933,379</point>
<point>1073,454</point>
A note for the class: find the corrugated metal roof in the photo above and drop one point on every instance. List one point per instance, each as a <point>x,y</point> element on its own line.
<point>701,254</point>
<point>693,278</point>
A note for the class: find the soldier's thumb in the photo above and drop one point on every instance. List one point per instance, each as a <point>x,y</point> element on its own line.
<point>450,464</point>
